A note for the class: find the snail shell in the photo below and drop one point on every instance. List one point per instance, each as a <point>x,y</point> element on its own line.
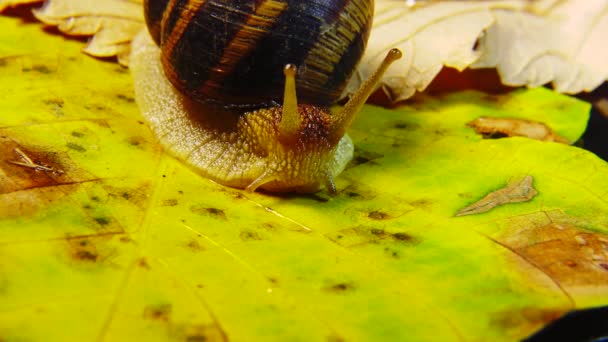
<point>232,53</point>
<point>212,98</point>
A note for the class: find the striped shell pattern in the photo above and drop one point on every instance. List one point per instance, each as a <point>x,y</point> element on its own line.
<point>232,52</point>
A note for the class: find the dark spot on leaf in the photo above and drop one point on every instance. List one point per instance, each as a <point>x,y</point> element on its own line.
<point>77,134</point>
<point>335,338</point>
<point>136,141</point>
<point>352,194</point>
<point>406,125</point>
<point>125,239</point>
<point>440,132</point>
<point>362,235</point>
<point>104,221</point>
<point>160,312</point>
<point>143,263</point>
<point>96,107</point>
<point>378,215</point>
<point>273,280</point>
<point>247,235</point>
<point>57,102</point>
<point>359,192</point>
<point>421,203</point>
<point>194,246</point>
<point>199,333</point>
<point>95,198</point>
<point>75,147</point>
<point>604,266</point>
<point>41,68</point>
<point>83,250</point>
<point>171,202</point>
<point>86,256</point>
<point>137,195</point>
<point>212,212</point>
<point>402,237</point>
<point>340,287</point>
<point>378,232</point>
<point>125,98</point>
<point>391,252</point>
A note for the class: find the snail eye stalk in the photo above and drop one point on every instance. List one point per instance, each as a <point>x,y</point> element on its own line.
<point>344,118</point>
<point>290,119</point>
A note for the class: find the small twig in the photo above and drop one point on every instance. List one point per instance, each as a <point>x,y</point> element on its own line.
<point>29,163</point>
<point>22,154</point>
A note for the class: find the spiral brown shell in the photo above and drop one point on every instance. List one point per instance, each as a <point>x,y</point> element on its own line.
<point>232,52</point>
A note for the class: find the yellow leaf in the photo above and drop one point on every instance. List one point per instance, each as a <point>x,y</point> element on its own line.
<point>122,242</point>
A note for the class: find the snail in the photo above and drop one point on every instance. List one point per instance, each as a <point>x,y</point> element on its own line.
<point>241,90</point>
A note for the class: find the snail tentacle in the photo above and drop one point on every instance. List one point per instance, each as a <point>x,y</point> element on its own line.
<point>345,117</point>
<point>290,118</point>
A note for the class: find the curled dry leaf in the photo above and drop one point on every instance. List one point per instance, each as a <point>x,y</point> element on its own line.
<point>430,37</point>
<point>491,127</point>
<point>530,43</point>
<point>112,23</point>
<point>559,42</point>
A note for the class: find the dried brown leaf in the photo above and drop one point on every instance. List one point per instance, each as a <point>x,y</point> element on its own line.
<point>521,191</point>
<point>562,43</point>
<point>491,127</point>
<point>112,23</point>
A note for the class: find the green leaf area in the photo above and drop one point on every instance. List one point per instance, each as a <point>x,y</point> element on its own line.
<point>118,241</point>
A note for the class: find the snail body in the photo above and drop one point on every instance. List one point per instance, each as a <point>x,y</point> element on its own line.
<point>226,103</point>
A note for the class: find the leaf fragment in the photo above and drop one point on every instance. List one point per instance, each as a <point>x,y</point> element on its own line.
<point>112,23</point>
<point>562,44</point>
<point>521,191</point>
<point>491,127</point>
